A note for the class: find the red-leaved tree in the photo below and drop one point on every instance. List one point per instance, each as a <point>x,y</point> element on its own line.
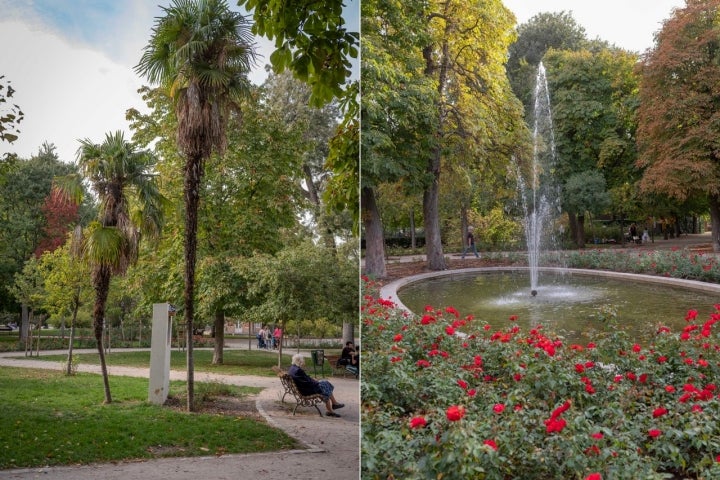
<point>679,115</point>
<point>60,215</point>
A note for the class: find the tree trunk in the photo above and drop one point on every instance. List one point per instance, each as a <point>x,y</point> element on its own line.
<point>580,234</point>
<point>193,174</point>
<point>219,328</point>
<point>463,225</point>
<point>413,240</point>
<point>431,195</point>
<point>374,239</point>
<point>433,239</point>
<point>24,322</point>
<point>101,277</point>
<point>714,201</point>
<point>280,343</point>
<point>348,333</point>
<point>321,219</point>
<point>71,341</point>
<point>573,224</point>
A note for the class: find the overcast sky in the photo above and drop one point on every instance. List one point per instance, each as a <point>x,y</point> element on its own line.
<point>629,24</point>
<point>71,63</point>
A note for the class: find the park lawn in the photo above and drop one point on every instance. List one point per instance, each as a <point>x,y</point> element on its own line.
<point>54,419</point>
<point>235,362</point>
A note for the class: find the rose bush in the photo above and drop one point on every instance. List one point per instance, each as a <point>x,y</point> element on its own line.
<point>446,396</point>
<point>675,263</point>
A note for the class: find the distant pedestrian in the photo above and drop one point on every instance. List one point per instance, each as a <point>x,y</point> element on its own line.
<point>261,337</point>
<point>277,334</point>
<point>470,243</point>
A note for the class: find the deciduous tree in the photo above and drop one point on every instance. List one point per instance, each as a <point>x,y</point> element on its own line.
<point>679,116</point>
<point>312,40</point>
<point>594,103</point>
<point>10,113</point>
<point>542,32</point>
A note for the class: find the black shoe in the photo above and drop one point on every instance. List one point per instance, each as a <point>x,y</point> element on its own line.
<point>332,414</point>
<point>339,405</point>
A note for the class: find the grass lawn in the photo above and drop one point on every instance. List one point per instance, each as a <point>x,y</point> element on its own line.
<point>53,419</point>
<point>235,362</point>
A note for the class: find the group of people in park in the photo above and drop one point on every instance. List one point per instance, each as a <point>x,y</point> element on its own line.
<point>350,358</point>
<point>269,338</point>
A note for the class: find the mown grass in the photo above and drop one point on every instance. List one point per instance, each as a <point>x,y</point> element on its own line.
<point>53,419</point>
<point>235,362</point>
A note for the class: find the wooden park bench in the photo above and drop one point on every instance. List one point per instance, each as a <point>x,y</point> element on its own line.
<point>300,400</point>
<point>337,369</point>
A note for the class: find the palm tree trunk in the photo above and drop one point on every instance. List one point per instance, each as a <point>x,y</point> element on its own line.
<point>193,174</point>
<point>101,278</point>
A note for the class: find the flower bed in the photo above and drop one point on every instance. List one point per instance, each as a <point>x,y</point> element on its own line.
<point>502,404</point>
<point>676,263</point>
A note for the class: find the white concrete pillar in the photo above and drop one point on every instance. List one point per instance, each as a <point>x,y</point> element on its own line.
<point>160,353</point>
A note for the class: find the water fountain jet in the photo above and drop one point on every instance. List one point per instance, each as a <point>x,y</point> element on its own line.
<point>540,194</point>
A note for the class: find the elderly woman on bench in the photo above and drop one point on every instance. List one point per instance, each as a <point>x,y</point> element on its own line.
<point>309,386</point>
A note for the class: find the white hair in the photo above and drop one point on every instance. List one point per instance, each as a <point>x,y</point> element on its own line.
<point>298,359</point>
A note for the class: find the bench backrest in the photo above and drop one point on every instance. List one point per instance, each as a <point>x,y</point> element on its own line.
<point>289,384</point>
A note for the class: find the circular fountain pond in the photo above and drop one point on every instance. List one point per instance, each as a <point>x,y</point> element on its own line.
<point>572,302</point>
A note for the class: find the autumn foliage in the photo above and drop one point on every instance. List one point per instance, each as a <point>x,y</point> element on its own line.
<point>679,115</point>
<point>59,215</point>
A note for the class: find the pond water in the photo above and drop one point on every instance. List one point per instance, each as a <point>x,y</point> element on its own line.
<point>569,303</point>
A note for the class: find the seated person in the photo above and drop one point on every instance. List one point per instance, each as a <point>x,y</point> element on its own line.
<point>309,386</point>
<point>349,358</point>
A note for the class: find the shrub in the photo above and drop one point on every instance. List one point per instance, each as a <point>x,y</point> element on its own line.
<point>445,396</point>
<point>676,263</point>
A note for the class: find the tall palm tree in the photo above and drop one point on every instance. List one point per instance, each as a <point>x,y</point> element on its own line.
<point>200,53</point>
<point>123,181</point>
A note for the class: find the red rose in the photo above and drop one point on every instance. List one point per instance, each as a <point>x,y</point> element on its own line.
<point>417,422</point>
<point>659,412</point>
<point>455,413</point>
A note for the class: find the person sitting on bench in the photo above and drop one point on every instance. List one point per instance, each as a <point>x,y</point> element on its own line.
<point>349,358</point>
<point>309,386</point>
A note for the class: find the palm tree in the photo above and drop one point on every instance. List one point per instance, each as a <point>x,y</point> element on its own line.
<point>130,203</point>
<point>200,53</point>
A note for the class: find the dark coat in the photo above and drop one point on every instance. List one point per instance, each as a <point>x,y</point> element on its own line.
<point>305,384</point>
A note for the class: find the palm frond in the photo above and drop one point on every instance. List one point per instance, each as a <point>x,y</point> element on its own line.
<point>103,245</point>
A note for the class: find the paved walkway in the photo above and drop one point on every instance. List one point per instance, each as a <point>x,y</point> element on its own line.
<point>330,446</point>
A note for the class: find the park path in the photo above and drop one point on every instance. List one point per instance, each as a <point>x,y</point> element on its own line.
<point>330,446</point>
